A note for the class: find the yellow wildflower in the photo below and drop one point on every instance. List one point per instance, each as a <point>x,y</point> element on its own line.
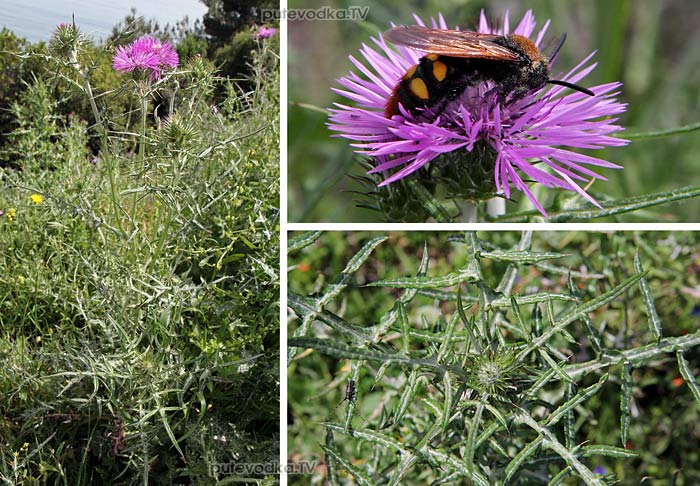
<point>37,198</point>
<point>11,214</point>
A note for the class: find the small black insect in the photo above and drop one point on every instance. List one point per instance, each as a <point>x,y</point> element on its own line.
<point>350,396</point>
<point>350,392</point>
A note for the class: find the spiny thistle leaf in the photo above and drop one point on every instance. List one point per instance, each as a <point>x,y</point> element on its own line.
<point>335,456</point>
<point>625,401</point>
<point>654,319</point>
<point>527,452</point>
<point>608,451</point>
<point>408,396</point>
<point>570,456</point>
<point>688,376</point>
<point>464,275</point>
<point>520,256</point>
<point>430,204</point>
<point>577,400</point>
<point>303,240</point>
<point>305,306</point>
<point>582,310</point>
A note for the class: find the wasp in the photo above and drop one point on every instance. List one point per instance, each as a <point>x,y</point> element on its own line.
<point>458,59</point>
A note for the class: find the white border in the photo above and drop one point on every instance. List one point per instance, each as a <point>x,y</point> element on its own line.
<point>455,227</point>
<point>283,247</point>
<point>286,227</point>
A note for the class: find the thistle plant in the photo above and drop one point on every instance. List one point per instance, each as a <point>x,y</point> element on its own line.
<point>138,294</point>
<point>513,363</point>
<point>146,58</point>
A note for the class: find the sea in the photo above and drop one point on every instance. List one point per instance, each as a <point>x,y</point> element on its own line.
<point>37,19</point>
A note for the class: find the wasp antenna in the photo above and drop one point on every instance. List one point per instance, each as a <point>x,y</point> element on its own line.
<point>556,49</point>
<point>573,86</point>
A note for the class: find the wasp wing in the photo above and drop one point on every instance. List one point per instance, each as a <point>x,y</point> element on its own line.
<point>452,43</point>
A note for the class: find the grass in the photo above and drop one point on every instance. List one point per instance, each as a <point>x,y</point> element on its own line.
<point>652,50</point>
<point>139,287</point>
<point>495,358</point>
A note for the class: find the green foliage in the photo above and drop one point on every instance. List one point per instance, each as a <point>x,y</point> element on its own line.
<point>236,59</point>
<point>15,73</point>
<point>139,288</point>
<point>225,19</point>
<point>234,56</point>
<point>57,82</point>
<point>32,144</point>
<point>134,26</point>
<point>66,83</point>
<point>495,359</point>
<point>192,45</point>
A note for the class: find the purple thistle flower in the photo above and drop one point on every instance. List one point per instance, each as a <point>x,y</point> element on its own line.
<point>526,133</point>
<point>146,54</point>
<point>264,32</point>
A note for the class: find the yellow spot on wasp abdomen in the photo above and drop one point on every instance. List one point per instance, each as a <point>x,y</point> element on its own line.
<point>418,88</point>
<point>439,70</point>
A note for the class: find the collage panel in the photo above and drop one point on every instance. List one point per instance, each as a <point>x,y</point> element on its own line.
<point>493,357</point>
<point>528,113</point>
<point>139,242</point>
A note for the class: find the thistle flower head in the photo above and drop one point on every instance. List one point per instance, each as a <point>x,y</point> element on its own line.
<point>65,40</point>
<point>146,54</point>
<point>526,138</point>
<point>495,373</point>
<point>264,32</point>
